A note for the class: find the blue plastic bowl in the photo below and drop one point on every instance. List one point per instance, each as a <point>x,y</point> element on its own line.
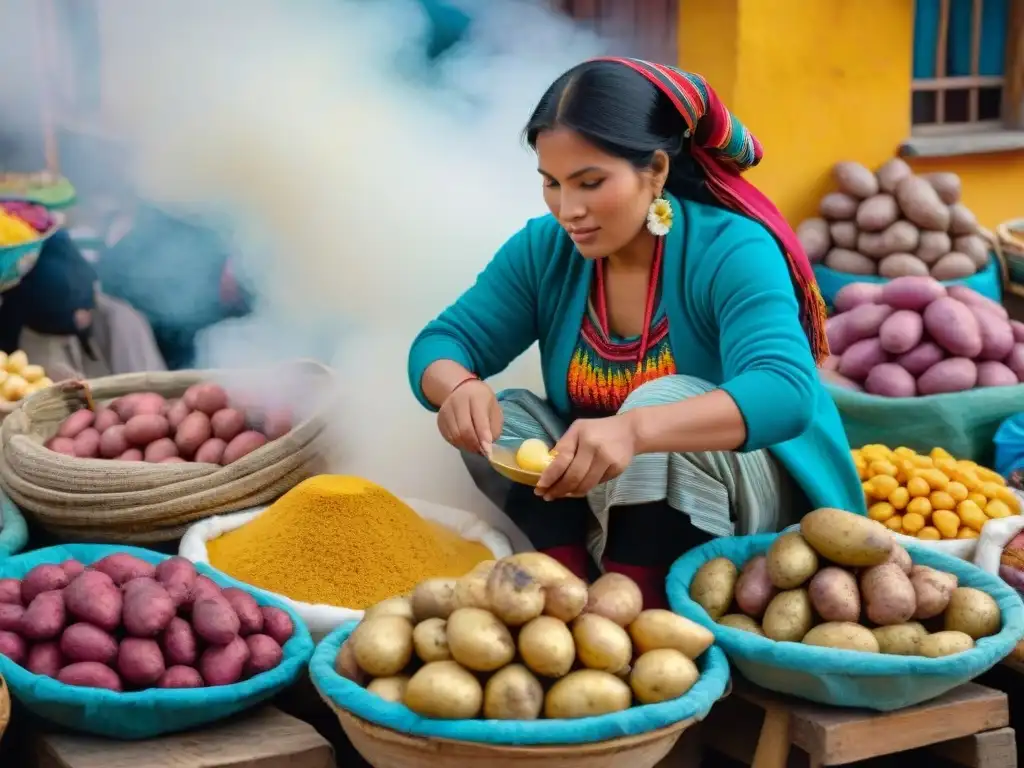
<point>988,282</point>
<point>848,678</point>
<point>145,714</point>
<point>353,698</point>
<point>16,261</point>
<point>14,533</point>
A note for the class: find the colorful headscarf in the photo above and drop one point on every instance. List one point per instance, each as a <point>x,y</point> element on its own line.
<point>724,148</point>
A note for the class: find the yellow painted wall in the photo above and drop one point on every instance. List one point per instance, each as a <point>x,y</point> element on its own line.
<point>823,81</point>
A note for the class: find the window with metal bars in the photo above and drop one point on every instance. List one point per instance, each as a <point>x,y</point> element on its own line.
<point>968,66</point>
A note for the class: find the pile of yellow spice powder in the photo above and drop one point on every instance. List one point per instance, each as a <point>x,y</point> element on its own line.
<point>342,541</point>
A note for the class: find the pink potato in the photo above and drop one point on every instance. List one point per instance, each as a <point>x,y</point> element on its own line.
<point>860,358</point>
<point>278,423</point>
<point>1018,331</point>
<point>180,676</point>
<point>830,363</point>
<point>215,621</point>
<point>148,608</point>
<point>207,398</point>
<point>45,616</point>
<point>995,374</point>
<point>224,664</point>
<point>122,568</point>
<point>113,443</point>
<point>176,413</point>
<point>227,423</point>
<point>124,406</point>
<point>161,449</point>
<point>192,433</point>
<point>242,446</point>
<point>211,452</point>
<point>834,594</point>
<point>72,568</point>
<point>10,617</point>
<point>890,380</point>
<point>105,419</point>
<point>90,674</point>
<point>901,331</point>
<point>173,460</point>
<point>148,403</point>
<point>972,298</point>
<point>203,589</point>
<point>838,334</point>
<point>178,576</point>
<point>45,659</point>
<point>922,357</point>
<point>42,578</point>
<point>954,327</point>
<point>855,294</point>
<point>75,423</point>
<point>179,643</point>
<point>94,598</point>
<point>264,654</point>
<point>250,618</point>
<point>913,292</point>
<point>865,321</point>
<point>996,334</point>
<point>278,624</point>
<point>132,454</point>
<point>86,642</point>
<point>140,662</point>
<point>955,374</point>
<point>10,591</point>
<point>12,646</point>
<point>61,445</point>
<point>143,429</point>
<point>87,444</point>
<point>1015,360</point>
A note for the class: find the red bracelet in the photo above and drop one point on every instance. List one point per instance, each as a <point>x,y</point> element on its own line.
<point>471,377</point>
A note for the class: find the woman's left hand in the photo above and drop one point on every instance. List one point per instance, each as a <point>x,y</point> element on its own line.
<point>591,452</point>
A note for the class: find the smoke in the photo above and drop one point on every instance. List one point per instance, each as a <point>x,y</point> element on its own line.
<point>365,186</point>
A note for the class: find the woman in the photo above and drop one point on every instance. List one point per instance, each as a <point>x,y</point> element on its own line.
<point>678,340</point>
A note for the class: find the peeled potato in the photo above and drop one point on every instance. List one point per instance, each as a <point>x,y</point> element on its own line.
<point>587,693</point>
<point>657,628</point>
<point>546,647</point>
<point>616,597</point>
<point>513,693</point>
<point>445,691</point>
<point>662,675</point>
<point>430,640</point>
<point>602,644</point>
<point>478,641</point>
<point>533,455</point>
<point>389,688</point>
<point>382,645</point>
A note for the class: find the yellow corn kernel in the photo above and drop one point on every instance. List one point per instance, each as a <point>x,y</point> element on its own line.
<point>904,451</point>
<point>882,467</point>
<point>920,506</point>
<point>967,533</point>
<point>899,498</point>
<point>947,522</point>
<point>935,478</point>
<point>946,465</point>
<point>957,490</point>
<point>996,509</point>
<point>939,453</point>
<point>929,533</point>
<point>918,486</point>
<point>941,500</point>
<point>971,514</point>
<point>1009,498</point>
<point>987,475</point>
<point>912,522</point>
<point>883,485</point>
<point>881,511</point>
<point>894,523</point>
<point>924,462</point>
<point>978,498</point>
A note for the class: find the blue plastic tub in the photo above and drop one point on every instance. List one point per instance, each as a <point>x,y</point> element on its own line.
<point>354,698</point>
<point>988,282</point>
<point>848,678</point>
<point>145,714</point>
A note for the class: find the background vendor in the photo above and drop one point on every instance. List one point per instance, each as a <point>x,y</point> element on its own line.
<point>679,327</point>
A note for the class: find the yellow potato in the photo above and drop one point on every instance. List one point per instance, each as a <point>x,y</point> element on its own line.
<point>741,622</point>
<point>973,612</point>
<point>912,523</point>
<point>944,643</point>
<point>393,606</point>
<point>881,511</point>
<point>471,589</point>
<point>16,361</point>
<point>430,640</point>
<point>565,593</point>
<point>513,693</point>
<point>789,616</point>
<point>942,500</point>
<point>929,533</point>
<point>602,644</point>
<point>899,499</point>
<point>382,645</point>
<point>883,485</point>
<point>844,635</point>
<point>478,640</point>
<point>32,373</point>
<point>846,538</point>
<point>345,663</point>
<point>947,522</point>
<point>587,693</point>
<point>513,595</point>
<point>434,599</point>
<point>919,505</point>
<point>444,690</point>
<point>14,387</point>
<point>996,509</point>
<point>894,523</point>
<point>662,675</point>
<point>971,515</point>
<point>900,639</point>
<point>918,487</point>
<point>714,583</point>
<point>389,688</point>
<point>657,628</point>
<point>546,647</point>
<point>618,598</point>
<point>791,561</point>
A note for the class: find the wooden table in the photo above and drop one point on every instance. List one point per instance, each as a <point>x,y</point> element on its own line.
<point>968,726</point>
<point>265,738</point>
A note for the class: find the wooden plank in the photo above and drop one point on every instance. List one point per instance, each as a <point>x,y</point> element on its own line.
<point>1013,94</point>
<point>266,738</point>
<point>774,741</point>
<point>941,43</point>
<point>991,749</point>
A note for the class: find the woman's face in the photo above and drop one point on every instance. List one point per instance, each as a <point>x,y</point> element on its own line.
<point>601,200</point>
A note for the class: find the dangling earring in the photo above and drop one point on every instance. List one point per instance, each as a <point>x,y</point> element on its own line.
<point>659,217</point>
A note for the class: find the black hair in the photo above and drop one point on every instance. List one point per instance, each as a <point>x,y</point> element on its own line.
<point>620,111</point>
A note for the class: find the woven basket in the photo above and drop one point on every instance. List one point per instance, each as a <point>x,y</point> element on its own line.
<point>1009,245</point>
<point>134,502</point>
<point>5,707</point>
<point>384,748</point>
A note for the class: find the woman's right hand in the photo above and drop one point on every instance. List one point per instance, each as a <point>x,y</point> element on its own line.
<point>471,418</point>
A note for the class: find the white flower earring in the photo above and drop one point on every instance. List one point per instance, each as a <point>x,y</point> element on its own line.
<point>659,217</point>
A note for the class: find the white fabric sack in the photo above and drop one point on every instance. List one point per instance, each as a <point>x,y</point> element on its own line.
<point>322,619</point>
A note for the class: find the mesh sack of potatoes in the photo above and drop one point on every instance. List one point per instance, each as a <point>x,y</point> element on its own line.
<point>148,501</point>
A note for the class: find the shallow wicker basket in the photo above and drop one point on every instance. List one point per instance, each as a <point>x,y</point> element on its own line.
<point>385,748</point>
<point>1009,244</point>
<point>5,707</point>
